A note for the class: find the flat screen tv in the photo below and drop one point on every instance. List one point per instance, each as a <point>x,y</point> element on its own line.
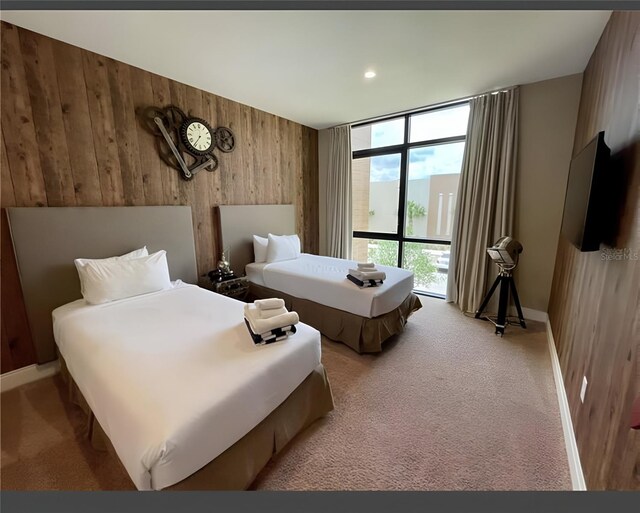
<point>582,221</point>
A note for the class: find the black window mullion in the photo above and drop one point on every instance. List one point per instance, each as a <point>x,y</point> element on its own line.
<point>435,142</point>
<point>409,114</point>
<point>402,196</point>
<point>375,235</point>
<point>426,241</point>
<point>403,149</point>
<point>376,152</point>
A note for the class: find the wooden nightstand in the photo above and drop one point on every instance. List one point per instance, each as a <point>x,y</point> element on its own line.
<point>237,288</point>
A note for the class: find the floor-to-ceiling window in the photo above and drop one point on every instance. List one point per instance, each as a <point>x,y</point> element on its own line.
<point>405,181</point>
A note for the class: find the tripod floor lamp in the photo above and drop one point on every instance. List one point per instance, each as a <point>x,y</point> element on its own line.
<point>505,253</point>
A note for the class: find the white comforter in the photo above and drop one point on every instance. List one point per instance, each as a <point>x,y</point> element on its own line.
<point>323,280</point>
<point>174,378</point>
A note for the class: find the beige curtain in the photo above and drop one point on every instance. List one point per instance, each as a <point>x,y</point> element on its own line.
<point>485,206</point>
<point>338,193</point>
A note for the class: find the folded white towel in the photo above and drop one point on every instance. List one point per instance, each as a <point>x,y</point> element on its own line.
<point>269,304</point>
<point>366,265</point>
<point>267,314</point>
<point>374,275</point>
<point>368,275</point>
<point>264,326</point>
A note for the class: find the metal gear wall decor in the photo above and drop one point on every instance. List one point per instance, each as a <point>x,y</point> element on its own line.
<point>181,138</point>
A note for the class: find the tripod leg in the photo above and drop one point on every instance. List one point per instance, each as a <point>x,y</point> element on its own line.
<point>487,298</point>
<point>516,299</point>
<point>502,305</point>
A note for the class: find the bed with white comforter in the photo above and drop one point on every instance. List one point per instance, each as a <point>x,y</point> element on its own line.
<point>318,289</point>
<point>174,378</point>
<point>323,280</point>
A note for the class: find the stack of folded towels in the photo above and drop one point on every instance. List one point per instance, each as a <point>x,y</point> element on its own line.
<point>269,321</point>
<point>366,275</point>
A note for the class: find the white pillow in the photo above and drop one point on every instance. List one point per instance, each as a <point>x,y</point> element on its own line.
<point>111,280</point>
<point>81,262</point>
<point>260,248</point>
<point>283,247</point>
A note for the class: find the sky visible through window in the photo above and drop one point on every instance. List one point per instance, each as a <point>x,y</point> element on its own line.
<point>423,161</point>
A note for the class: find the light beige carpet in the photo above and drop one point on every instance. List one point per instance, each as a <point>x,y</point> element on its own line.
<point>448,405</point>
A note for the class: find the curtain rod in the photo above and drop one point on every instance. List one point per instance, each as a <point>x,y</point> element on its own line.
<point>435,105</point>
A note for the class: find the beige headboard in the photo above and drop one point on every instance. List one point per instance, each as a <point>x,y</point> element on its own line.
<point>47,240</point>
<point>238,224</point>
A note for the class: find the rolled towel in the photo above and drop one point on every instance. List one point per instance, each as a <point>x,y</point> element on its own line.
<point>267,314</point>
<point>269,304</point>
<point>366,265</point>
<point>261,326</point>
<point>279,321</point>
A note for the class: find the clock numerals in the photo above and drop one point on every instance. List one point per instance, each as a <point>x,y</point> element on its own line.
<point>198,137</point>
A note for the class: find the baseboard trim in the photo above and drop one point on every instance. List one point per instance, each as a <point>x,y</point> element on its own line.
<point>534,315</point>
<point>28,374</point>
<point>575,467</point>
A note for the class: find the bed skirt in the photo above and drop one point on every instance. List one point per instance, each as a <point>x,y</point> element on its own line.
<point>238,466</point>
<point>362,334</point>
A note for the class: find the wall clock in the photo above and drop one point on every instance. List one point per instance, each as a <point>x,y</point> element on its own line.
<point>183,138</point>
<point>197,136</point>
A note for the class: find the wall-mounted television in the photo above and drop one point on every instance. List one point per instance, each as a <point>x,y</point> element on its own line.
<point>584,203</point>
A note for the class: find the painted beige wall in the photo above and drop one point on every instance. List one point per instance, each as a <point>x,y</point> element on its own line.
<point>548,114</point>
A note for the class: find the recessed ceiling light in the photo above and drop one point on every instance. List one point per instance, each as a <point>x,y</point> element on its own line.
<point>369,74</point>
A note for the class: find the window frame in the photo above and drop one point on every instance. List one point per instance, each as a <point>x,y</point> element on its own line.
<point>403,149</point>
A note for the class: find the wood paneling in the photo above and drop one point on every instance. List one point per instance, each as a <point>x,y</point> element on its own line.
<point>595,300</point>
<point>70,136</point>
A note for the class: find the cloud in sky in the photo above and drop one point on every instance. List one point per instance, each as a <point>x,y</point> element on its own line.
<point>385,168</point>
<point>426,160</point>
<point>423,162</point>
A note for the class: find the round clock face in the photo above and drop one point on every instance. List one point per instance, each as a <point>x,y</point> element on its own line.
<point>197,136</point>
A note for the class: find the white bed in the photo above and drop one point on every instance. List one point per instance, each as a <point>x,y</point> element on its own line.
<point>174,378</point>
<point>323,280</point>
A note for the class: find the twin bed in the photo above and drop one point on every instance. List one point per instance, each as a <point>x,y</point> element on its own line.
<point>315,286</point>
<point>171,380</point>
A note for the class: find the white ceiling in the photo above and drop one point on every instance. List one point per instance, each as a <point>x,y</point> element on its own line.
<point>308,66</point>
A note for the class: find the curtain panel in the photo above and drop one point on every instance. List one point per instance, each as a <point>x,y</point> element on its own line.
<point>486,193</point>
<point>338,193</point>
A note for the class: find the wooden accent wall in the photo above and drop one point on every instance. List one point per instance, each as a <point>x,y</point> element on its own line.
<point>70,137</point>
<point>595,302</point>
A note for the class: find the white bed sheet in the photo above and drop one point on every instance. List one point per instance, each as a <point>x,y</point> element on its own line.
<point>255,271</point>
<point>323,280</point>
<point>174,378</point>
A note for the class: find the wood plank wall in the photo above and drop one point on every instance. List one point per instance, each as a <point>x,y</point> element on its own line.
<point>70,137</point>
<point>595,303</point>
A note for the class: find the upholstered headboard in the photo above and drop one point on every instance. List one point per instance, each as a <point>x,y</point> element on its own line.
<point>238,224</point>
<point>47,240</point>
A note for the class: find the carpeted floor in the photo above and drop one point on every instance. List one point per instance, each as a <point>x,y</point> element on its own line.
<point>447,406</point>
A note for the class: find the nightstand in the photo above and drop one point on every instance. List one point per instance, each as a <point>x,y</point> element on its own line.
<point>237,288</point>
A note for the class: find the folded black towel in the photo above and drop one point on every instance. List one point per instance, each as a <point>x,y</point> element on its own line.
<point>272,336</point>
<point>366,283</point>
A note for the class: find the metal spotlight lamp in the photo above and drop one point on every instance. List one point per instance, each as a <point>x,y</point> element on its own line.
<point>505,253</point>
